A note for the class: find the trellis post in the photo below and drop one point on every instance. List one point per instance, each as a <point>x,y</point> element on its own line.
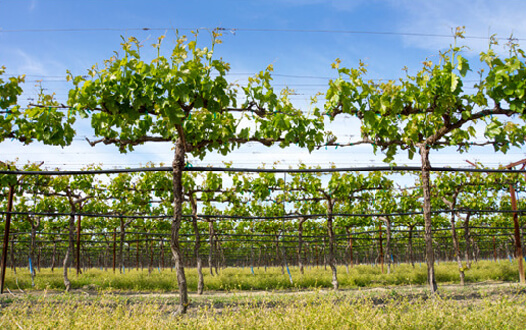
<point>6,235</point>
<point>517,232</point>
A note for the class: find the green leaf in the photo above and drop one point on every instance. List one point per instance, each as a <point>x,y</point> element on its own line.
<point>454,82</point>
<point>462,66</point>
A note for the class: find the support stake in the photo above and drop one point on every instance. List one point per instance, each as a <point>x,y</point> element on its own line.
<point>6,235</point>
<point>114,246</point>
<point>78,245</point>
<point>517,230</point>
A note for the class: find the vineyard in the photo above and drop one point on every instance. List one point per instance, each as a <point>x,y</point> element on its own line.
<point>390,221</point>
<point>258,219</point>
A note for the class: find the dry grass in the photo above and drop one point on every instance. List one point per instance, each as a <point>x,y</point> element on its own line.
<point>472,307</point>
<point>266,300</point>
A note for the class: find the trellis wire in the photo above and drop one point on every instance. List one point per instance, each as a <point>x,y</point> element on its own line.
<point>264,170</point>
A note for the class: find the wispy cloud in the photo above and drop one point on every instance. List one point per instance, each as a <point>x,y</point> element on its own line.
<point>481,19</point>
<point>337,4</point>
<point>29,64</point>
<point>33,5</point>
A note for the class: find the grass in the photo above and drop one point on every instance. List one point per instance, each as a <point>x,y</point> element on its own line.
<point>240,279</point>
<point>466,308</point>
<point>369,299</point>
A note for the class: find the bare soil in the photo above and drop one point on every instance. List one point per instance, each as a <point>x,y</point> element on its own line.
<point>472,291</point>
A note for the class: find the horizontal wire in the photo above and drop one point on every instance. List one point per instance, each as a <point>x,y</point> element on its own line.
<point>239,217</point>
<point>267,30</point>
<point>350,235</point>
<point>264,170</point>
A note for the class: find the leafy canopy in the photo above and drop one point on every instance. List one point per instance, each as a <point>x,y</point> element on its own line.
<point>186,96</point>
<point>432,108</point>
<point>46,122</point>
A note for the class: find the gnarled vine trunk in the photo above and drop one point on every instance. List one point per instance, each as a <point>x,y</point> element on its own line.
<point>53,255</point>
<point>197,246</point>
<point>211,242</point>
<point>150,262</point>
<point>137,255</point>
<point>122,237</point>
<point>177,174</point>
<point>300,244</point>
<point>161,255</point>
<point>411,251</point>
<point>114,248</point>
<point>69,251</point>
<point>330,231</point>
<point>35,223</point>
<point>380,247</point>
<point>221,260</point>
<point>494,250</point>
<point>467,238</point>
<point>12,251</point>
<point>278,255</point>
<point>349,237</point>
<point>517,236</point>
<point>77,254</point>
<point>428,234</point>
<point>456,245</point>
<point>388,251</point>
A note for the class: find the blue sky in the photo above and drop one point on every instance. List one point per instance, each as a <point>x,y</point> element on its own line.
<point>43,39</point>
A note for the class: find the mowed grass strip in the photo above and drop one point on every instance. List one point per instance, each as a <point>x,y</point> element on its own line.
<point>313,310</point>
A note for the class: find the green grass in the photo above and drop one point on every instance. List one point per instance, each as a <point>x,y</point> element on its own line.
<point>370,300</point>
<point>241,279</point>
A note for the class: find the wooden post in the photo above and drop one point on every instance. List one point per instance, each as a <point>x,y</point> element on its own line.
<point>518,248</point>
<point>137,256</point>
<point>350,250</point>
<point>38,257</point>
<point>54,254</point>
<point>78,245</point>
<point>12,251</point>
<point>494,250</point>
<point>6,235</point>
<point>317,257</point>
<point>381,247</point>
<point>150,265</point>
<point>162,253</point>
<point>114,246</point>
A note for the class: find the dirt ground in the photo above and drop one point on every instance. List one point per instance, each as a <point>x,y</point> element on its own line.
<point>471,292</point>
